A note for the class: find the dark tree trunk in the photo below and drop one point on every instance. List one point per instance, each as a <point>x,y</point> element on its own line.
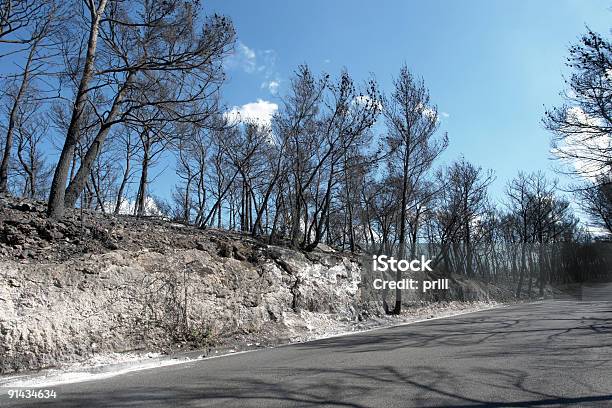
<point>55,208</point>
<point>10,130</point>
<point>78,182</point>
<point>142,185</point>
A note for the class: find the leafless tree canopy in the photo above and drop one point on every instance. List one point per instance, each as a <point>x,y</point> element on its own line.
<point>128,92</point>
<point>582,127</point>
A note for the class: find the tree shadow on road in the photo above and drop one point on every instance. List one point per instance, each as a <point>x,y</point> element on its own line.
<point>492,360</point>
<point>380,386</point>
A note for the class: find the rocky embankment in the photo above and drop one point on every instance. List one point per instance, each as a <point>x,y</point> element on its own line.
<point>93,284</point>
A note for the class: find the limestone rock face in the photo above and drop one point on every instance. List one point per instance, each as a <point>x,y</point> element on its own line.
<point>57,312</point>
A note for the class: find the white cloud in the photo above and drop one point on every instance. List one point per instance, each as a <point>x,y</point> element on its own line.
<point>260,111</point>
<point>272,86</point>
<point>433,113</point>
<point>584,150</point>
<point>430,113</point>
<point>267,68</point>
<point>128,207</point>
<point>248,53</point>
<point>243,58</point>
<point>366,100</point>
<point>261,63</point>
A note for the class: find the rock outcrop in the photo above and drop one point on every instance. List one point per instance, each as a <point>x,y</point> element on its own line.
<point>55,312</point>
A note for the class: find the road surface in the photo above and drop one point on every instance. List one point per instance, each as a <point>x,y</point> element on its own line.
<point>551,353</point>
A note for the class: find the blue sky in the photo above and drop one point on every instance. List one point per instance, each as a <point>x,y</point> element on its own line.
<point>491,66</point>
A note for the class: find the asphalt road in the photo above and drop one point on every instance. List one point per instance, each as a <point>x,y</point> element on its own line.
<point>552,353</point>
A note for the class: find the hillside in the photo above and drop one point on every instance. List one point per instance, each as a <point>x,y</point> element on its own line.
<point>93,285</point>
